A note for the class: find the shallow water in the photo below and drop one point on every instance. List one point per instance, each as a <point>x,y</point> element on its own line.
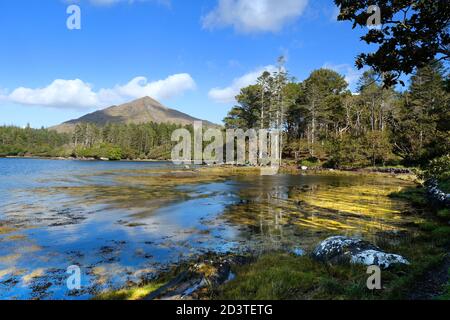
<point>122,222</point>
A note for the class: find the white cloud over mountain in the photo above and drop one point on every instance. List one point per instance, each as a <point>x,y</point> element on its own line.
<point>77,94</point>
<point>254,16</point>
<point>228,94</point>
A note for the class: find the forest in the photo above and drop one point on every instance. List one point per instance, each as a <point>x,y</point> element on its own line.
<point>113,141</point>
<point>324,123</point>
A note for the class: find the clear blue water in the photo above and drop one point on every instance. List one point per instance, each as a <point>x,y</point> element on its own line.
<point>113,240</point>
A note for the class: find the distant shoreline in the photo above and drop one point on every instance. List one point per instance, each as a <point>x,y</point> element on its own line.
<point>81,159</point>
<point>285,168</point>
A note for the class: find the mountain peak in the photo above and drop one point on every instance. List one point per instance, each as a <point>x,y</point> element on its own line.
<point>142,110</point>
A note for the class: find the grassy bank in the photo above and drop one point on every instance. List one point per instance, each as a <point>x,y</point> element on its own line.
<point>286,276</point>
<point>281,275</point>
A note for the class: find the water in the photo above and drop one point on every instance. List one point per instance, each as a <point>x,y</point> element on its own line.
<point>122,222</point>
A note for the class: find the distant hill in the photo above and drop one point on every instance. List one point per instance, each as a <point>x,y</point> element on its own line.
<point>142,110</point>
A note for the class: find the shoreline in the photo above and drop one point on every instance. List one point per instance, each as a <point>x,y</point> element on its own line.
<point>285,167</point>
<point>402,173</point>
<point>80,159</point>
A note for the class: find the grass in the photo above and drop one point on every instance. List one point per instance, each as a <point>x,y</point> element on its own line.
<point>444,213</point>
<point>133,293</point>
<point>446,294</point>
<point>415,195</point>
<point>281,276</point>
<point>444,185</point>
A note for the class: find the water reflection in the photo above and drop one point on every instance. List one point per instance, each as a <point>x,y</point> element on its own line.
<point>123,222</point>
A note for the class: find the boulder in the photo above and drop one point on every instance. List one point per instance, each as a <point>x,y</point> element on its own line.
<point>341,249</point>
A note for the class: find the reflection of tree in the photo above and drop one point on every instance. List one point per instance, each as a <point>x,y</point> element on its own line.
<point>272,224</point>
<point>283,214</point>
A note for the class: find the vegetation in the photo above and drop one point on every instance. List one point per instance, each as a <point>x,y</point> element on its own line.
<point>409,34</point>
<point>323,122</point>
<point>40,142</point>
<point>285,276</point>
<point>415,196</point>
<point>113,141</point>
<point>133,293</point>
<point>446,294</point>
<point>439,170</point>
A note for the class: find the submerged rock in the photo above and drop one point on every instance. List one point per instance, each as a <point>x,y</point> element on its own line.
<point>341,249</point>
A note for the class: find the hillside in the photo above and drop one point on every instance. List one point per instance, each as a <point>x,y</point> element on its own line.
<point>139,111</point>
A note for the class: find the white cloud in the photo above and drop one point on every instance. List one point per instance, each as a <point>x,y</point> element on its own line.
<point>140,87</point>
<point>350,73</point>
<point>77,94</point>
<point>60,93</point>
<point>228,94</point>
<point>254,16</point>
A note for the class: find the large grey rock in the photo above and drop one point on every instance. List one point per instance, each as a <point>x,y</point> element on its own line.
<point>341,249</point>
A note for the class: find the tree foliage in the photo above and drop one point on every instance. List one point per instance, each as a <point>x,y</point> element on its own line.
<point>412,33</point>
<point>324,121</point>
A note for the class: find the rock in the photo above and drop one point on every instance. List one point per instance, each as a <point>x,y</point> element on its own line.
<point>341,249</point>
<point>377,258</point>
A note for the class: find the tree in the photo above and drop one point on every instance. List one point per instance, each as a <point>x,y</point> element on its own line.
<point>323,89</point>
<point>412,34</point>
<point>247,113</point>
<point>422,130</point>
<point>264,82</point>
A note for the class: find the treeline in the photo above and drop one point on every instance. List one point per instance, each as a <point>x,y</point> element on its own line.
<point>112,141</point>
<point>326,124</point>
<point>15,141</point>
<point>124,141</point>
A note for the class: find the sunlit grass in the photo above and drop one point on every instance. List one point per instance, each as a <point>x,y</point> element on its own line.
<point>135,293</point>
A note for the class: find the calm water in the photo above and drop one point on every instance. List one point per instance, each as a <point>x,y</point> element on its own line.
<point>122,222</point>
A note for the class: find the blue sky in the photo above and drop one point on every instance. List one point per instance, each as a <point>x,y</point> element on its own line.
<point>191,55</point>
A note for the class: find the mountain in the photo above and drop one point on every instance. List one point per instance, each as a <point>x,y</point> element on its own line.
<point>138,111</point>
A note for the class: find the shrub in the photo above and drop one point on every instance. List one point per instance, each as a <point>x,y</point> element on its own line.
<point>438,169</point>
